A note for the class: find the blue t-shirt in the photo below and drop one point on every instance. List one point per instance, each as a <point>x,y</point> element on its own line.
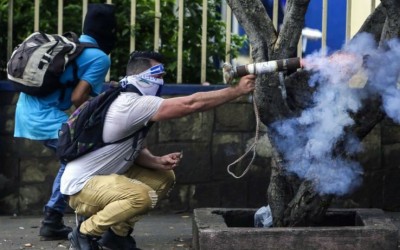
<point>40,118</point>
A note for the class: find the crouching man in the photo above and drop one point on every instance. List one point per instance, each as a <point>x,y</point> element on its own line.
<point>116,184</point>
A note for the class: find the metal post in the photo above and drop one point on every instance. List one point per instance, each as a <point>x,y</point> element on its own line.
<point>157,18</point>
<point>36,18</point>
<point>348,20</point>
<point>10,28</point>
<point>180,41</point>
<point>133,23</point>
<point>275,14</point>
<point>84,10</point>
<point>373,4</point>
<point>300,47</point>
<point>109,70</point>
<point>60,16</point>
<point>324,24</point>
<point>204,42</point>
<point>228,33</point>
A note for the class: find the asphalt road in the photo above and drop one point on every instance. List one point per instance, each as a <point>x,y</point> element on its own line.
<point>153,232</point>
<point>156,231</point>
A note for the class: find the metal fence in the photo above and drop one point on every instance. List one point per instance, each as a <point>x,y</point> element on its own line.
<point>231,26</point>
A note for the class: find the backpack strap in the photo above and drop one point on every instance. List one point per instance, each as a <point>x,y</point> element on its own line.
<point>131,88</point>
<point>75,80</point>
<point>72,36</point>
<point>71,83</point>
<point>144,130</point>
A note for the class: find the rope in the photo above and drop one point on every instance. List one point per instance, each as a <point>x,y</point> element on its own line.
<point>252,147</point>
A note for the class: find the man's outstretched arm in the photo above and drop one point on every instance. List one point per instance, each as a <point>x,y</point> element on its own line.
<point>202,101</point>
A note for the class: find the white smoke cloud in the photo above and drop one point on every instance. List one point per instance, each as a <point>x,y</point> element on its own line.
<point>307,141</point>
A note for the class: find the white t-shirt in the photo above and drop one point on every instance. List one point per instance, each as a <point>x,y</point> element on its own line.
<point>128,113</point>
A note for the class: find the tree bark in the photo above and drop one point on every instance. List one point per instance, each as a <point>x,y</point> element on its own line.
<point>294,202</point>
<point>391,28</point>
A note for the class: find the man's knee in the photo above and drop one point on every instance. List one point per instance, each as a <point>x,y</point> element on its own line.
<point>82,208</point>
<point>144,198</point>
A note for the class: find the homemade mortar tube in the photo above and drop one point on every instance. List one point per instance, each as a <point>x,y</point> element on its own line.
<point>230,72</point>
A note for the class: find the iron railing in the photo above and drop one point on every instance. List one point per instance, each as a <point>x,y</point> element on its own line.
<point>231,26</point>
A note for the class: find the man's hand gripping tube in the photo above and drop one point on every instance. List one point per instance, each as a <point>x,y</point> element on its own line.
<point>230,72</point>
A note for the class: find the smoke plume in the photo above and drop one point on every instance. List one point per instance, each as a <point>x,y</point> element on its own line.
<point>342,81</point>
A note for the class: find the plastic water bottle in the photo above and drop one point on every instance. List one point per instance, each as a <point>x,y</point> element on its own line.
<point>263,217</point>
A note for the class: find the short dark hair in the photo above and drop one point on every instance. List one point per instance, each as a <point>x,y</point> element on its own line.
<point>139,61</point>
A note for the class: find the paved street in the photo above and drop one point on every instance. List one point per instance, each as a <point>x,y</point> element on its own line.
<point>153,232</point>
<point>156,231</point>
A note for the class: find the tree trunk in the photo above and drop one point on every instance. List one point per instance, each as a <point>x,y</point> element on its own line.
<point>293,201</point>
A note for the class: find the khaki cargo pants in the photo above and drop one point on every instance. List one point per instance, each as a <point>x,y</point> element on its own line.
<point>118,201</point>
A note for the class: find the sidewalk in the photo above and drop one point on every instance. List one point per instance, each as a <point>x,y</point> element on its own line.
<point>395,217</point>
<point>153,232</point>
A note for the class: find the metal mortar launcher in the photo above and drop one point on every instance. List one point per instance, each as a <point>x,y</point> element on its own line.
<point>230,72</point>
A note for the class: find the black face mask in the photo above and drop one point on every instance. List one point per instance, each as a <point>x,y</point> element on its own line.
<point>106,44</point>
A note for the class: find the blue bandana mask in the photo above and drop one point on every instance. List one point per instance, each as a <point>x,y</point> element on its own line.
<point>145,82</point>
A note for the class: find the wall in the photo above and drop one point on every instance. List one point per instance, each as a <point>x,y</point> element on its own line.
<point>359,12</point>
<point>210,141</point>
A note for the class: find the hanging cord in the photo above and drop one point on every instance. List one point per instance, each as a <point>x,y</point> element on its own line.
<point>252,147</point>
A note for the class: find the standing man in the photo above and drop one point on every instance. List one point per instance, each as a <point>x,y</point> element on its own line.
<point>116,184</point>
<point>40,118</point>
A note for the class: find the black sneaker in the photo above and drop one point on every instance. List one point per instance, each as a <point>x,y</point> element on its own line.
<point>109,240</point>
<point>53,227</point>
<point>81,241</point>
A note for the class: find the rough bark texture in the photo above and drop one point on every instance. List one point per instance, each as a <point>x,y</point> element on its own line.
<point>294,202</point>
<point>391,29</point>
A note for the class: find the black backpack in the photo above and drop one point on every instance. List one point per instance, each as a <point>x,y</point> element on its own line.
<point>37,63</point>
<point>83,132</point>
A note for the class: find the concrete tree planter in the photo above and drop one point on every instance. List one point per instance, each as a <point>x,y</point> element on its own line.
<point>363,229</point>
